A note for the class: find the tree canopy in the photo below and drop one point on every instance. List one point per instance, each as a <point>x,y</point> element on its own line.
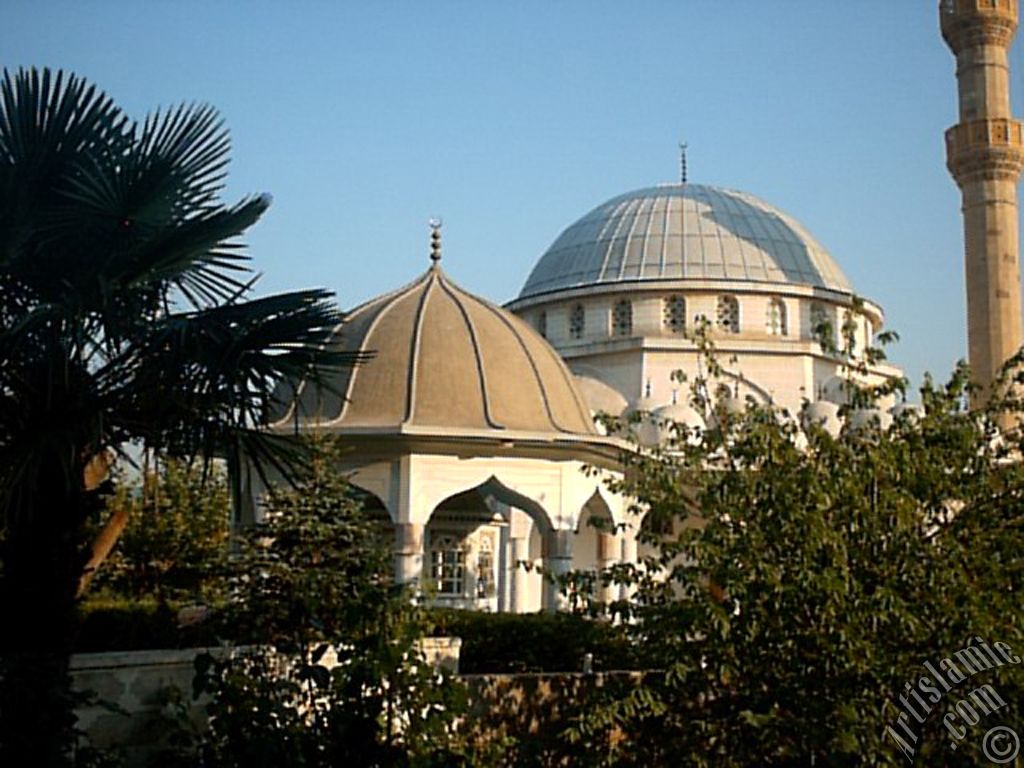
<point>794,593</point>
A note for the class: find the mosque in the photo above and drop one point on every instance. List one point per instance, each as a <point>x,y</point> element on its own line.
<point>472,425</point>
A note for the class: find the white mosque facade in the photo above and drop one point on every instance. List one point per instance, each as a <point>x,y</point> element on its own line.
<point>473,424</point>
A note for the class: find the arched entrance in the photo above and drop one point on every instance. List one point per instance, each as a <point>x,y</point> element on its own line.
<point>597,544</point>
<point>484,549</point>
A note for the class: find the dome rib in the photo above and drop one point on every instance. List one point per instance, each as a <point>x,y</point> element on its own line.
<point>610,243</point>
<point>664,238</point>
<point>447,288</point>
<point>388,301</point>
<point>533,366</point>
<point>414,351</point>
<point>291,408</point>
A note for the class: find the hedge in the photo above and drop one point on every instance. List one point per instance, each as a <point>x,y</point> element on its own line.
<point>136,625</point>
<point>533,642</point>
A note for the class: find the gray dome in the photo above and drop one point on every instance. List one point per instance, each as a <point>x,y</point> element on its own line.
<point>684,232</point>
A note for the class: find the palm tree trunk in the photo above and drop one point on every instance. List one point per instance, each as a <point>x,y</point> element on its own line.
<point>102,547</point>
<point>40,576</point>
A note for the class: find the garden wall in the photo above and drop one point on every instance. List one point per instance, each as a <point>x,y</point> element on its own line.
<point>132,691</point>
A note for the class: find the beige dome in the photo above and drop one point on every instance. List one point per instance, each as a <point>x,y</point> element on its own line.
<point>445,362</point>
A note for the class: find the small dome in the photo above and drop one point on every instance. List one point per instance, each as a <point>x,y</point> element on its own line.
<point>446,362</point>
<point>655,427</point>
<point>600,397</point>
<point>684,416</point>
<point>910,411</point>
<point>684,232</point>
<point>839,390</point>
<point>823,414</point>
<point>645,404</point>
<point>863,419</point>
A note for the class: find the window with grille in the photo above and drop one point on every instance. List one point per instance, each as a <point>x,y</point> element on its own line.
<point>542,324</point>
<point>577,323</point>
<point>622,318</point>
<point>448,564</point>
<point>728,316</point>
<point>775,322</point>
<point>674,314</point>
<point>485,569</point>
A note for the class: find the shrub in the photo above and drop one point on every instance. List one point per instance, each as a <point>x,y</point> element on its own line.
<point>337,678</point>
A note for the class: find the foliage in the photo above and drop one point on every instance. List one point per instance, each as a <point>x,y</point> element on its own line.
<point>123,316</point>
<point>499,643</point>
<point>796,590</point>
<point>336,677</point>
<point>176,535</point>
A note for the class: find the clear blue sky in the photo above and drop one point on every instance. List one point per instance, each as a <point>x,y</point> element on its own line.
<point>511,120</point>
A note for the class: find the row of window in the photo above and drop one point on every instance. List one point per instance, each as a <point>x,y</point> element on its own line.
<point>673,317</point>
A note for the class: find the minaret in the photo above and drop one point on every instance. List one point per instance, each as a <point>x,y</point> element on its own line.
<point>985,154</point>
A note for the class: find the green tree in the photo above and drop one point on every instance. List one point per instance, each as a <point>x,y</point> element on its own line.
<point>123,316</point>
<point>178,519</point>
<point>796,590</point>
<point>336,677</point>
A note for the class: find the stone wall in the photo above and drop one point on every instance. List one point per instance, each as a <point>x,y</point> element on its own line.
<point>132,693</point>
<point>529,712</point>
<point>129,692</point>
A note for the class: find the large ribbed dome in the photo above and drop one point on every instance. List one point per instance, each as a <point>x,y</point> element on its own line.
<point>445,362</point>
<point>680,232</point>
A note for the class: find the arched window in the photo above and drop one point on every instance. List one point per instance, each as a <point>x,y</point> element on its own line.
<point>775,321</point>
<point>622,318</point>
<point>673,317</point>
<point>542,323</point>
<point>728,316</point>
<point>448,563</point>
<point>577,322</point>
<point>822,327</point>
<point>849,332</point>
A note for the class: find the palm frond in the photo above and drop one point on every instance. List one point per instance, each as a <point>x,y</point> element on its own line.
<point>225,362</point>
<point>48,123</point>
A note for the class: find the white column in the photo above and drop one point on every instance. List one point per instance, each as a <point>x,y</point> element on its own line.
<point>520,547</point>
<point>408,552</point>
<point>504,571</point>
<point>557,562</point>
<point>609,553</point>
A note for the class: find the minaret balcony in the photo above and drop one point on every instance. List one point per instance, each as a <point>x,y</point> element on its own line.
<point>967,23</point>
<point>987,148</point>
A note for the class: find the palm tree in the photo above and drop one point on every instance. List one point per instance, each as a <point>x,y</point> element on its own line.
<point>124,317</point>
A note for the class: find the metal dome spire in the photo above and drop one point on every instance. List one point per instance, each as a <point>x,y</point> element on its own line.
<point>682,162</point>
<point>435,242</point>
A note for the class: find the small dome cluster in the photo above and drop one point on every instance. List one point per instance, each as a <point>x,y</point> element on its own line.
<point>653,425</point>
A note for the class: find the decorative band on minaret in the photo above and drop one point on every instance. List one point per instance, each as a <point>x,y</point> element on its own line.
<point>985,154</point>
